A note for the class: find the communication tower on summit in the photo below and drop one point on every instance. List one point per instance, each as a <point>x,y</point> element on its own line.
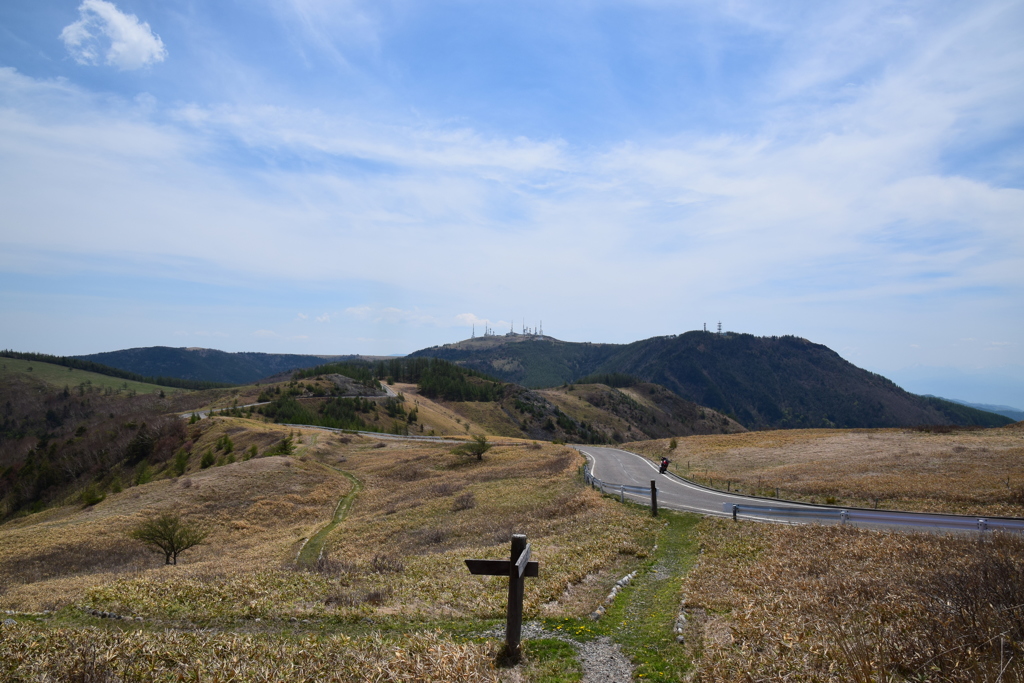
<point>719,327</point>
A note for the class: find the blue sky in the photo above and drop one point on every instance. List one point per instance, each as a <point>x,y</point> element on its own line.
<point>320,176</point>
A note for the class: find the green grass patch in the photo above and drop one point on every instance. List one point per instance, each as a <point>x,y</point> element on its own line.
<point>60,376</point>
<point>549,660</point>
<point>311,551</point>
<point>643,615</point>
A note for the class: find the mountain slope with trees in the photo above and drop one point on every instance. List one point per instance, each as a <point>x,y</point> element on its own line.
<point>761,382</point>
<point>209,365</point>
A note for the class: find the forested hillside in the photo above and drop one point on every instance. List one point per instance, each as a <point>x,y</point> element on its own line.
<point>762,382</point>
<point>207,365</point>
<point>80,441</point>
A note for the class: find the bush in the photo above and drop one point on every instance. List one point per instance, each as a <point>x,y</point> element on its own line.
<point>92,495</point>
<point>170,535</point>
<point>180,463</point>
<point>283,447</point>
<point>478,446</point>
<point>207,460</point>
<point>673,444</point>
<point>464,502</point>
<point>145,474</point>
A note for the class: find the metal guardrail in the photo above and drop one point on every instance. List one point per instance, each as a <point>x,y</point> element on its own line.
<point>874,518</point>
<point>621,489</point>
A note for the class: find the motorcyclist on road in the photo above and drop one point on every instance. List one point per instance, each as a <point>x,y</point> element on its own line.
<point>664,465</point>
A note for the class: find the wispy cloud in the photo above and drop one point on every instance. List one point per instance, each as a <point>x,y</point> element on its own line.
<point>105,33</point>
<point>870,167</point>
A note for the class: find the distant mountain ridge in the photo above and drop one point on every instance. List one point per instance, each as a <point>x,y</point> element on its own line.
<point>1015,414</point>
<point>762,382</point>
<point>208,365</point>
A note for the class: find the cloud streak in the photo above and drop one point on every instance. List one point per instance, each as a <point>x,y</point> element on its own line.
<point>845,186</point>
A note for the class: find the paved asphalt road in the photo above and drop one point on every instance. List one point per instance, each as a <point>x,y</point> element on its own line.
<point>615,466</point>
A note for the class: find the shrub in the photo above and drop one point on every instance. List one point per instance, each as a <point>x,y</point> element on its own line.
<point>386,564</point>
<point>207,460</point>
<point>92,495</point>
<point>478,446</point>
<point>283,447</point>
<point>180,463</point>
<point>464,502</point>
<point>170,535</point>
<point>145,474</point>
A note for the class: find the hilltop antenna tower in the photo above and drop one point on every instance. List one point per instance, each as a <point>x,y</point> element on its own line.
<point>474,331</point>
<point>719,327</point>
<point>542,328</point>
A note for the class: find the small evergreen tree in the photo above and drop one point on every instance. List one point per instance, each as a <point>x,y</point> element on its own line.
<point>478,446</point>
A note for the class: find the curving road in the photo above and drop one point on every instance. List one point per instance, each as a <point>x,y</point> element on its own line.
<point>615,467</point>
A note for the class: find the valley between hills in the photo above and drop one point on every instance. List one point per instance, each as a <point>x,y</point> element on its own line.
<point>335,551</point>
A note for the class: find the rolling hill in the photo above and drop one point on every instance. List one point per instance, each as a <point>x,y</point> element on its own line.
<point>206,364</point>
<point>761,382</point>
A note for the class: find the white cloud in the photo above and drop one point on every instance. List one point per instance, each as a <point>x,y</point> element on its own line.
<point>120,39</point>
<point>325,318</point>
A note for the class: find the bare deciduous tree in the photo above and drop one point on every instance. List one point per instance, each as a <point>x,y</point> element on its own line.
<point>170,534</point>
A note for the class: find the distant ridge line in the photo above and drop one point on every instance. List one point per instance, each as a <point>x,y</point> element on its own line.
<point>100,369</point>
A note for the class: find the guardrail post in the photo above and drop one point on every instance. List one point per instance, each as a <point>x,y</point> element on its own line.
<point>843,517</point>
<point>982,525</point>
<point>735,510</point>
<point>654,499</point>
<point>622,494</point>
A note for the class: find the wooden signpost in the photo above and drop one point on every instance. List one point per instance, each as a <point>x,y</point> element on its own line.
<point>517,568</point>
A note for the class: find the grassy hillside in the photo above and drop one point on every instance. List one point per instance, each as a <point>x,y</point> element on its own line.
<point>640,411</point>
<point>972,471</point>
<point>573,414</point>
<point>60,376</point>
<point>391,573</point>
<point>389,595</point>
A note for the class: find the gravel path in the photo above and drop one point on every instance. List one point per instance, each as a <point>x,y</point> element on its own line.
<point>602,660</point>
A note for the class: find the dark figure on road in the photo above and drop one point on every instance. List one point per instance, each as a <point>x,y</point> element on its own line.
<point>664,465</point>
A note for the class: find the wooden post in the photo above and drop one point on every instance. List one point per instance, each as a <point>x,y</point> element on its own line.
<point>654,498</point>
<point>516,568</point>
<point>514,618</point>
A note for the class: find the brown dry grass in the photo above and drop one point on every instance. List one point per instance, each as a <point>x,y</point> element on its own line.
<point>261,511</point>
<point>434,416</point>
<point>103,655</point>
<point>258,511</point>
<point>839,604</point>
<point>397,559</point>
<point>971,472</point>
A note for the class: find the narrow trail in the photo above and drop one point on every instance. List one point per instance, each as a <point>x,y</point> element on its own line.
<point>314,547</point>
